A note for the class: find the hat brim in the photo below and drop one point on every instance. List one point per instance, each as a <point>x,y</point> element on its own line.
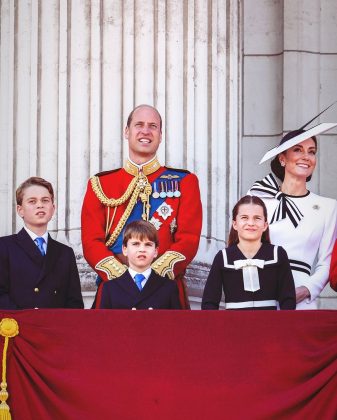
<point>314,131</point>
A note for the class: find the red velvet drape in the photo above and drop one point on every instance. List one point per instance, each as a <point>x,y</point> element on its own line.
<point>77,364</point>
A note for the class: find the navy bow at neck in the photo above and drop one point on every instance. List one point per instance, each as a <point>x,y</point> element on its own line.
<point>286,207</point>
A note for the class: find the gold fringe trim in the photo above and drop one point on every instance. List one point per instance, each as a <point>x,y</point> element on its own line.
<point>9,328</point>
<point>111,267</point>
<point>165,263</point>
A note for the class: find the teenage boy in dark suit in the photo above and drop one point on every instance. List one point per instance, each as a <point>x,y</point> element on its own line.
<point>35,270</point>
<point>140,287</point>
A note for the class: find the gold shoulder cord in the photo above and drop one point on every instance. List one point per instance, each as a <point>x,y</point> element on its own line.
<point>111,202</point>
<point>138,187</point>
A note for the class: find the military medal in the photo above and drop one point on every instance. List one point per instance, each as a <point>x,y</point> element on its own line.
<point>176,193</point>
<point>169,176</point>
<point>173,226</point>
<point>155,192</point>
<point>164,210</point>
<point>162,192</point>
<point>170,190</point>
<point>156,222</point>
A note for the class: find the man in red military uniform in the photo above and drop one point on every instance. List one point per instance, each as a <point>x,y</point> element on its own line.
<point>168,198</point>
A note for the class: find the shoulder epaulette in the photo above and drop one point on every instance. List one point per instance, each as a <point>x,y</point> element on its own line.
<point>185,171</point>
<point>107,172</point>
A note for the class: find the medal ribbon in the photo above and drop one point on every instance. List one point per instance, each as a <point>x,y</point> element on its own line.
<point>137,211</point>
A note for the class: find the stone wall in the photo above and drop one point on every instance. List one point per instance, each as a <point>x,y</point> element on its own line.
<point>228,76</point>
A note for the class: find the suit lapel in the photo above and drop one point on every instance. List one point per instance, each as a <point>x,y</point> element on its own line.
<point>127,283</point>
<point>152,285</point>
<point>25,242</point>
<point>53,252</point>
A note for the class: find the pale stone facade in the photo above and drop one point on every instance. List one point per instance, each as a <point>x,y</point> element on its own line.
<point>227,76</point>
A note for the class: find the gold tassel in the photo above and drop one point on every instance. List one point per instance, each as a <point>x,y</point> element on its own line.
<point>8,328</point>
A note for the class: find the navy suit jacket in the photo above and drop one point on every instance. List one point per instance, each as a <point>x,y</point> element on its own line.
<point>30,280</point>
<point>123,293</point>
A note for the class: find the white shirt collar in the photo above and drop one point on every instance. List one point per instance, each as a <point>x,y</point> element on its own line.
<point>145,273</point>
<point>34,235</point>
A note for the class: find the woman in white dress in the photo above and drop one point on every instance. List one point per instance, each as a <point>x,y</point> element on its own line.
<point>302,222</point>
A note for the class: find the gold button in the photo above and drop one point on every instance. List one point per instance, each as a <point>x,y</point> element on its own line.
<point>134,309</point>
<point>55,291</point>
<point>36,290</point>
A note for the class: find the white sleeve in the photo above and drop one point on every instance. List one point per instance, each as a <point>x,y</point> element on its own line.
<point>320,276</point>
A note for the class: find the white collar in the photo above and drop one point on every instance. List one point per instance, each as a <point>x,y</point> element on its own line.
<point>33,235</point>
<point>145,273</point>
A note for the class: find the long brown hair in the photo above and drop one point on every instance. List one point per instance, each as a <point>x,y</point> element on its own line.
<point>233,237</point>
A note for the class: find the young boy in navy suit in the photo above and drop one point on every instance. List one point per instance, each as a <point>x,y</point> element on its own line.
<point>35,270</point>
<point>140,287</point>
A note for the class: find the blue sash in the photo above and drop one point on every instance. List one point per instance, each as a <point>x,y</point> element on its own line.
<point>137,211</point>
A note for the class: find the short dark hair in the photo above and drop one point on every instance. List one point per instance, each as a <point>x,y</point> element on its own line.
<point>233,237</point>
<point>128,122</point>
<point>141,229</point>
<point>34,180</point>
<point>275,164</point>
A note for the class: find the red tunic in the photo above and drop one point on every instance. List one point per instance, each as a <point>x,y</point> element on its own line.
<point>333,269</point>
<point>185,219</point>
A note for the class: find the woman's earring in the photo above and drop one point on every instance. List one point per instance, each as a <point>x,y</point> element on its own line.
<point>283,163</point>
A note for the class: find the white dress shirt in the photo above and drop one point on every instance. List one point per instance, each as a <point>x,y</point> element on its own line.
<point>145,273</point>
<point>34,236</point>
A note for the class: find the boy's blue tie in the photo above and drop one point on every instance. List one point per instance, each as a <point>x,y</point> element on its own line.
<point>39,242</point>
<point>138,279</point>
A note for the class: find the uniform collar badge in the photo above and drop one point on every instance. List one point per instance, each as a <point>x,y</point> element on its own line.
<point>147,168</point>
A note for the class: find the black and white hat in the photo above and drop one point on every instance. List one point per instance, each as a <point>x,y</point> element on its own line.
<point>297,136</point>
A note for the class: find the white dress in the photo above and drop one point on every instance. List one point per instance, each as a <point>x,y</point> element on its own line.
<point>306,227</point>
